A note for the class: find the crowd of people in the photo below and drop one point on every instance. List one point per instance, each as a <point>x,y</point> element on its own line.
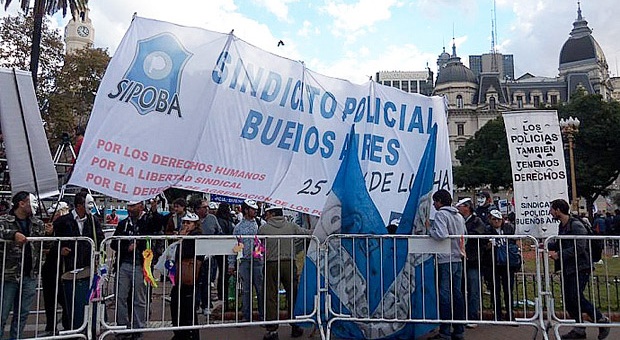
<point>462,273</point>
<point>475,262</point>
<point>188,297</point>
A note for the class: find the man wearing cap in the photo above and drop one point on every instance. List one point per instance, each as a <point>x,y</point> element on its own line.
<point>183,295</point>
<point>280,267</point>
<point>500,278</point>
<point>473,249</point>
<point>484,206</point>
<point>20,262</point>
<point>449,222</point>
<point>129,261</point>
<point>250,268</point>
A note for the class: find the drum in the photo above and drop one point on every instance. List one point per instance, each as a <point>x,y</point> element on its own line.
<point>76,284</point>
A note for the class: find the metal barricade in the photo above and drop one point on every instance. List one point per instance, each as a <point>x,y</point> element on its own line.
<point>224,289</point>
<point>566,278</point>
<point>379,284</point>
<point>60,285</point>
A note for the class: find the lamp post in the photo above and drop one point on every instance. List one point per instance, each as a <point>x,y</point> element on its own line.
<point>569,128</point>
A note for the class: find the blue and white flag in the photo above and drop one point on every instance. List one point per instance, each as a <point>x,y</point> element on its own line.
<point>373,278</point>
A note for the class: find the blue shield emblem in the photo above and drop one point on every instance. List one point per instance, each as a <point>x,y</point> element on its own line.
<point>155,74</point>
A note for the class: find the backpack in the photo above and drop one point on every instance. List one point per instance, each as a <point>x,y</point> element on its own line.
<point>596,246</point>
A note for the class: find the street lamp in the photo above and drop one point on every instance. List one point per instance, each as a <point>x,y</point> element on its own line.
<point>569,128</point>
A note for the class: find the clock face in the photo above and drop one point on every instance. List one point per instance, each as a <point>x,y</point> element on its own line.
<point>83,31</point>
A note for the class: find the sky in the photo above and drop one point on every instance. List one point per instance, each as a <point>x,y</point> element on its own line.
<point>354,39</point>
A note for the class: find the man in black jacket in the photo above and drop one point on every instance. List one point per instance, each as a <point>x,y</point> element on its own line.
<point>573,259</point>
<point>129,263</point>
<point>73,255</point>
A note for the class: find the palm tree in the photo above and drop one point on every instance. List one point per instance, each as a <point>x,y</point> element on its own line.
<point>41,8</point>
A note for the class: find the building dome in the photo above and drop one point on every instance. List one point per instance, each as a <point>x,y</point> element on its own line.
<point>455,71</point>
<point>581,45</point>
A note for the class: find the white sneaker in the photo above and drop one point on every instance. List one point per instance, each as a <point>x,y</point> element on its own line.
<point>471,325</point>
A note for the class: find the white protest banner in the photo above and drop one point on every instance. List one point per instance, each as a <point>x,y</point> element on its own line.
<point>538,170</point>
<point>190,108</point>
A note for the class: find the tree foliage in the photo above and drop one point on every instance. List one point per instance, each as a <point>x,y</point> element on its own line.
<point>15,48</point>
<point>76,86</point>
<point>42,8</point>
<point>485,159</point>
<point>597,163</point>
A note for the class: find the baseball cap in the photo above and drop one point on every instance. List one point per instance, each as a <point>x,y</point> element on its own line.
<point>495,213</point>
<point>464,201</point>
<point>133,202</point>
<point>251,203</point>
<point>189,216</point>
<point>212,205</point>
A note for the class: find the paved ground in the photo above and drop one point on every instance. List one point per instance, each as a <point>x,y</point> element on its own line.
<point>481,332</point>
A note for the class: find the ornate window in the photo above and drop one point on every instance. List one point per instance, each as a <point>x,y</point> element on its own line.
<point>459,102</point>
<point>460,129</point>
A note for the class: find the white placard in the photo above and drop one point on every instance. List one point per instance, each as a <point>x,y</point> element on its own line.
<point>538,170</point>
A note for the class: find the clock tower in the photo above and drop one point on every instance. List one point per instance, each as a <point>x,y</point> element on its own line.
<point>79,32</point>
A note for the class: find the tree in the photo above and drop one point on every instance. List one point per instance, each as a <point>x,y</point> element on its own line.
<point>485,159</point>
<point>42,8</point>
<point>76,86</point>
<point>15,32</point>
<point>597,164</point>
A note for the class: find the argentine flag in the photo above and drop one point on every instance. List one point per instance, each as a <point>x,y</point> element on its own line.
<point>372,278</point>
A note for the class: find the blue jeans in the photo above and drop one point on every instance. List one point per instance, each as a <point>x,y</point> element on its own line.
<point>131,277</point>
<point>451,303</point>
<point>251,276</point>
<point>18,302</point>
<point>473,292</point>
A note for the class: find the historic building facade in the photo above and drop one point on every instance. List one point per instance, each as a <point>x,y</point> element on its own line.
<point>474,98</point>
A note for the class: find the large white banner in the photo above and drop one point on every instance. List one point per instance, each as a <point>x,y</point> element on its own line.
<point>539,174</point>
<point>190,108</point>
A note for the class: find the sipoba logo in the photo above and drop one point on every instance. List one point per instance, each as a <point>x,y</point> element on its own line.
<point>153,79</point>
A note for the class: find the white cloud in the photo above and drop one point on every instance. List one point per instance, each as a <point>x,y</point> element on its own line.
<point>352,20</point>
<point>308,29</point>
<point>279,8</point>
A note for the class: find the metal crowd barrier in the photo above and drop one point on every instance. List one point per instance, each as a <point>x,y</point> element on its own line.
<point>350,270</point>
<point>354,283</point>
<point>600,281</point>
<point>196,306</point>
<point>56,285</point>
